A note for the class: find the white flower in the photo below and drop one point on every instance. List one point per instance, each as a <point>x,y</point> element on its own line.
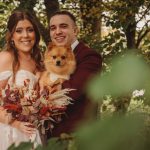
<point>138,93</point>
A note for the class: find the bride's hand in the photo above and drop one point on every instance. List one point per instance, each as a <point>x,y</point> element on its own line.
<point>3,83</point>
<point>25,127</point>
<point>4,116</point>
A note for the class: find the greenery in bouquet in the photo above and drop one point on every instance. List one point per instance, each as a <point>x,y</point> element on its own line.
<point>26,104</point>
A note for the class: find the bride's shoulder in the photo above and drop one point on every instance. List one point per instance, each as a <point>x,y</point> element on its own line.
<point>6,59</point>
<point>7,54</point>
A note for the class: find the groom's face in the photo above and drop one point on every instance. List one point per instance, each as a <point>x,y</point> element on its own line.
<point>63,30</point>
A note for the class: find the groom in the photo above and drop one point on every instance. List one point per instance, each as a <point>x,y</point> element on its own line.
<point>63,30</point>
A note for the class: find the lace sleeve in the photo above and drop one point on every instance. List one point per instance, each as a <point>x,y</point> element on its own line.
<point>5,75</point>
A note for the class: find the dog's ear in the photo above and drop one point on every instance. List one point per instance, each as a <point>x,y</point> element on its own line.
<point>45,53</point>
<point>50,45</point>
<point>49,48</point>
<point>70,53</point>
<point>68,47</point>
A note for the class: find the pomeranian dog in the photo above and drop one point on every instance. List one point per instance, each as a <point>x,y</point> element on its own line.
<point>59,62</point>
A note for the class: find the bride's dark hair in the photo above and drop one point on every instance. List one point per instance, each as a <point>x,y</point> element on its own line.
<point>14,18</point>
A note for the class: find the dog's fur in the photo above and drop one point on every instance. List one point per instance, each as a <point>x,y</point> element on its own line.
<point>59,62</point>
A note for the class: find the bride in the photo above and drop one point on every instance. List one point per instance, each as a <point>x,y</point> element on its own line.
<point>20,61</point>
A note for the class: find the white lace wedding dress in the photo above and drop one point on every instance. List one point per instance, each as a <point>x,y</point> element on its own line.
<point>8,134</point>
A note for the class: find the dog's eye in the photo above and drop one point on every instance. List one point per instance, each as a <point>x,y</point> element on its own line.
<point>54,57</point>
<point>63,57</point>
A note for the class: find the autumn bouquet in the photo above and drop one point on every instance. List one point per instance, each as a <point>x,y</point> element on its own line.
<point>31,105</point>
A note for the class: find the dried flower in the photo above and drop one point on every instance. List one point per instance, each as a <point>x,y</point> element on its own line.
<point>27,104</point>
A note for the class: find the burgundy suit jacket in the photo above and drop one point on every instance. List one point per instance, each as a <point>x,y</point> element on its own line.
<point>88,63</point>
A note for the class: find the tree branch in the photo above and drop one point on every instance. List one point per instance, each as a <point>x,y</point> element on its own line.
<point>141,37</point>
<point>145,12</point>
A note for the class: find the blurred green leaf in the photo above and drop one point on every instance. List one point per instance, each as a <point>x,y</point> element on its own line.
<point>116,133</point>
<point>57,144</point>
<point>129,72</point>
<point>22,146</point>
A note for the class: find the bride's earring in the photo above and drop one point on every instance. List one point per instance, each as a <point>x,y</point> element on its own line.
<point>12,44</point>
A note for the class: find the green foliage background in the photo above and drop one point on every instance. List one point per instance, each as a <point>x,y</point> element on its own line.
<point>123,120</point>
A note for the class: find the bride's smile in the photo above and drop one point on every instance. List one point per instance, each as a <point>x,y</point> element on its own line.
<point>24,36</point>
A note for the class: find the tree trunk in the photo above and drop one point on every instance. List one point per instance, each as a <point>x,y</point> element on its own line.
<point>91,16</point>
<point>51,7</point>
<point>130,35</point>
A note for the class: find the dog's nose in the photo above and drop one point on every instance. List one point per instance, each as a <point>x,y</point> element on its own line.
<point>58,63</point>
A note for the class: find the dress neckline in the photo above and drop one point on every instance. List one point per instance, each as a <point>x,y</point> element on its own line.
<point>21,70</point>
